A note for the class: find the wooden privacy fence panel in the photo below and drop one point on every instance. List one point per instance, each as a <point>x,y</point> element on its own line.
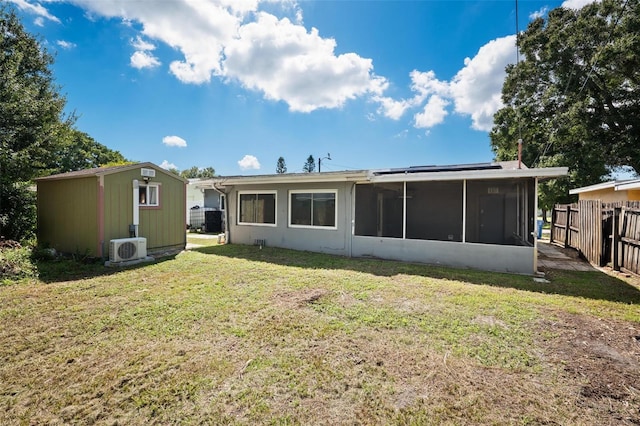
<point>600,232</point>
<point>626,241</point>
<point>559,223</point>
<point>590,239</point>
<point>564,225</point>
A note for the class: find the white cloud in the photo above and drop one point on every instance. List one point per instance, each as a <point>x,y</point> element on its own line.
<point>174,141</point>
<point>434,113</point>
<point>67,45</point>
<point>475,91</point>
<point>39,21</point>
<point>140,44</point>
<point>424,84</point>
<point>401,135</point>
<point>237,41</point>
<point>141,59</point>
<point>287,63</point>
<point>539,13</point>
<point>577,4</point>
<point>477,88</point>
<point>35,9</point>
<point>168,166</point>
<point>249,162</point>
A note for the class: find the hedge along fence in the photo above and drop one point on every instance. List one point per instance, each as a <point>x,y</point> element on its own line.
<point>601,232</point>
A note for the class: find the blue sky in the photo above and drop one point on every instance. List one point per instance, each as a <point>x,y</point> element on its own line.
<point>235,84</point>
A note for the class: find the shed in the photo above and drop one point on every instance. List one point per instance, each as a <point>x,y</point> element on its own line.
<point>480,216</point>
<point>82,211</point>
<point>610,192</point>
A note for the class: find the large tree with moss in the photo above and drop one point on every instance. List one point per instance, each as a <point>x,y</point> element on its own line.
<point>574,100</point>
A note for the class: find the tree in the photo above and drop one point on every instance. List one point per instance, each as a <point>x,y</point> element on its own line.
<point>31,122</point>
<point>574,99</point>
<point>310,165</point>
<point>79,151</point>
<point>195,173</point>
<point>36,138</point>
<point>281,167</point>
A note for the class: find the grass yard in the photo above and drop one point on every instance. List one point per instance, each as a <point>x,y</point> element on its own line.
<point>237,335</point>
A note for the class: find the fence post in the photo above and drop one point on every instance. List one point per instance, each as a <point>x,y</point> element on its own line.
<point>553,221</point>
<point>567,228</point>
<point>615,262</point>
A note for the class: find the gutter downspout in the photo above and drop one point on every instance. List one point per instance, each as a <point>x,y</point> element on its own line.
<point>136,206</point>
<point>227,232</point>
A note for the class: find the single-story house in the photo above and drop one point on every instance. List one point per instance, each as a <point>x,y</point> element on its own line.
<point>83,211</point>
<point>479,216</point>
<point>610,192</point>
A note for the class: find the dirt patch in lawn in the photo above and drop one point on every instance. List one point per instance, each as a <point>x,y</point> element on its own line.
<point>602,358</point>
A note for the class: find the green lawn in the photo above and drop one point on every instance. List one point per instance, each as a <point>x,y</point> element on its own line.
<point>229,334</point>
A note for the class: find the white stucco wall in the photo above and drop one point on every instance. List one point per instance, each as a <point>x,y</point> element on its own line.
<point>341,241</point>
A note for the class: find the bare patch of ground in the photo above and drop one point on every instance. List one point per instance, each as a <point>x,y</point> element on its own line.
<point>602,358</point>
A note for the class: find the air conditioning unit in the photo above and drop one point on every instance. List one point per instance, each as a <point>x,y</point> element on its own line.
<point>124,249</point>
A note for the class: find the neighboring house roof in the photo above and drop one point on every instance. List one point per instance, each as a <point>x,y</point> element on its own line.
<point>102,171</point>
<point>617,185</point>
<point>630,184</point>
<point>498,170</point>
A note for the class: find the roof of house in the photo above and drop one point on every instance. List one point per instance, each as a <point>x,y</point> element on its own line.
<point>102,171</point>
<point>498,170</point>
<point>616,185</point>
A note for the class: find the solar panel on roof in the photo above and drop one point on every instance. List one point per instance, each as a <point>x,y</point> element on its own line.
<point>434,168</point>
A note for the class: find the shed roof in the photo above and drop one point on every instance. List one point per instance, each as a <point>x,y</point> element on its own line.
<point>103,171</point>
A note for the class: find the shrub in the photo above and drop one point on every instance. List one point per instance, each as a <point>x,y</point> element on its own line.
<point>16,263</point>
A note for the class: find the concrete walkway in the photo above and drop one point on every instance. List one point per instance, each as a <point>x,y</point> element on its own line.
<point>551,256</point>
<point>194,235</point>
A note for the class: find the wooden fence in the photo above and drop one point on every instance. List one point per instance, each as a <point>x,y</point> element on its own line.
<point>601,232</point>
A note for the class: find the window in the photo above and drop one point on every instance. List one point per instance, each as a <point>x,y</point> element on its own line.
<point>257,208</point>
<point>149,195</point>
<point>313,208</point>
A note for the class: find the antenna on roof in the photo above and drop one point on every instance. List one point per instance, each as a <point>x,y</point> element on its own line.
<point>328,157</point>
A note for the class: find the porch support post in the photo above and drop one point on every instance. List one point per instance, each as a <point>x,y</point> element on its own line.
<point>404,211</point>
<point>535,228</point>
<point>464,210</point>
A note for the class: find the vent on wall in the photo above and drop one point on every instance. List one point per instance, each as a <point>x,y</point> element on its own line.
<point>124,249</point>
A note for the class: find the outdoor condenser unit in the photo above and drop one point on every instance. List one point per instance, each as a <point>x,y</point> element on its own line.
<point>124,249</point>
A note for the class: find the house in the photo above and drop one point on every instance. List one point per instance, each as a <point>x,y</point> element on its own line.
<point>82,211</point>
<point>610,192</point>
<point>472,216</point>
<point>202,198</point>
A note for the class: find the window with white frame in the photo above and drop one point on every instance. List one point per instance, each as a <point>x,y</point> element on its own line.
<point>257,208</point>
<point>313,208</point>
<point>149,195</point>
